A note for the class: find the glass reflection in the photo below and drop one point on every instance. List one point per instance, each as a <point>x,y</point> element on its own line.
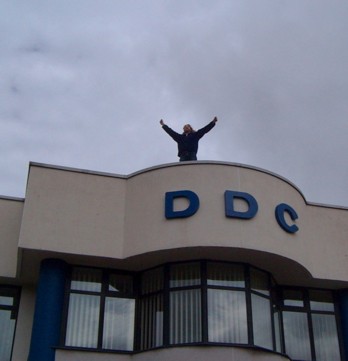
<point>325,338</point>
<point>262,321</point>
<point>277,330</point>
<point>83,320</point>
<point>151,314</point>
<point>6,301</point>
<point>7,327</point>
<point>232,302</point>
<point>118,324</point>
<point>185,317</point>
<point>227,316</point>
<point>296,335</point>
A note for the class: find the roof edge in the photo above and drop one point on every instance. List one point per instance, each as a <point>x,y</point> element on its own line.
<point>182,164</point>
<point>15,199</point>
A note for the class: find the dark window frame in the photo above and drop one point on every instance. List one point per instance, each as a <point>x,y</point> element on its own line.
<point>306,309</point>
<point>275,300</point>
<point>15,293</point>
<point>103,294</point>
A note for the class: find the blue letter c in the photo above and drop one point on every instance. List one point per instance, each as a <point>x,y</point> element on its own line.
<point>279,213</point>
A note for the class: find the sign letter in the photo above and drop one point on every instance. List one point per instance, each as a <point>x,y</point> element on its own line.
<point>188,212</point>
<point>248,198</point>
<point>279,213</point>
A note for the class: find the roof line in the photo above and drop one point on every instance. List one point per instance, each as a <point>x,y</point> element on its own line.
<point>181,164</point>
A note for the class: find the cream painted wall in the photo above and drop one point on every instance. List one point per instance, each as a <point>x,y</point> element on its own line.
<point>120,217</point>
<point>325,236</point>
<point>73,212</point>
<point>10,221</point>
<point>174,354</point>
<point>322,231</point>
<point>209,227</point>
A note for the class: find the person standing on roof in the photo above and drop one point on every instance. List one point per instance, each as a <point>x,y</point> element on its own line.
<point>188,140</point>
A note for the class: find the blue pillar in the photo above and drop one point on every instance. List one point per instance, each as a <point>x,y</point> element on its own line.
<point>343,303</point>
<point>48,310</point>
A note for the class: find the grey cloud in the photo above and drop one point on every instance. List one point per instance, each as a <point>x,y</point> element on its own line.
<point>85,85</point>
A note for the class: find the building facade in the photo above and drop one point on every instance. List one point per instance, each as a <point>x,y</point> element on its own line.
<point>194,260</point>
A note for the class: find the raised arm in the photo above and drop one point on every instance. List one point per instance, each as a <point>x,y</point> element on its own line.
<point>171,132</point>
<point>207,128</point>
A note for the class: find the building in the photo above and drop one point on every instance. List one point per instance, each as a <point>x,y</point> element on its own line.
<point>195,261</point>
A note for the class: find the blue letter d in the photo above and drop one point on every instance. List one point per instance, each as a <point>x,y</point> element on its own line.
<point>188,212</point>
<point>248,198</point>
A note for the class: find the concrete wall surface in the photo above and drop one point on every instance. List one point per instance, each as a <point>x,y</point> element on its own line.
<point>10,222</point>
<point>174,354</point>
<point>119,217</point>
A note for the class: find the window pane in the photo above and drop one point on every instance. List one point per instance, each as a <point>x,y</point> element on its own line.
<point>227,316</point>
<point>277,331</point>
<point>188,274</point>
<point>152,281</point>
<point>86,279</point>
<point>8,295</point>
<point>321,300</point>
<point>7,327</point>
<point>151,310</point>
<point>121,283</point>
<point>259,281</point>
<point>223,274</point>
<point>296,336</point>
<point>83,319</point>
<point>293,298</point>
<point>262,322</point>
<point>118,324</point>
<point>185,317</point>
<point>6,301</point>
<point>325,338</point>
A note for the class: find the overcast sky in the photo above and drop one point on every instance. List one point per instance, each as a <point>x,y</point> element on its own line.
<point>84,83</point>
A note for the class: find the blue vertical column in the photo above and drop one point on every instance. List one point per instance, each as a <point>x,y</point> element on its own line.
<point>48,310</point>
<point>343,303</point>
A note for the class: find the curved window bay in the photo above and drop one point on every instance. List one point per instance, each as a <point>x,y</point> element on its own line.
<point>199,302</point>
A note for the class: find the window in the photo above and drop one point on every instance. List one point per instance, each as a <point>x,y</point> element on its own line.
<point>185,308</point>
<point>200,302</point>
<point>151,309</point>
<point>9,302</point>
<point>205,302</point>
<point>227,308</point>
<point>309,323</point>
<point>101,310</point>
<point>261,308</point>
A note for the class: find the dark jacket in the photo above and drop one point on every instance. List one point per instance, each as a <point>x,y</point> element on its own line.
<point>188,142</point>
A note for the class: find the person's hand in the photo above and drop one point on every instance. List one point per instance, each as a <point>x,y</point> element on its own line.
<point>215,119</point>
<point>162,122</point>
